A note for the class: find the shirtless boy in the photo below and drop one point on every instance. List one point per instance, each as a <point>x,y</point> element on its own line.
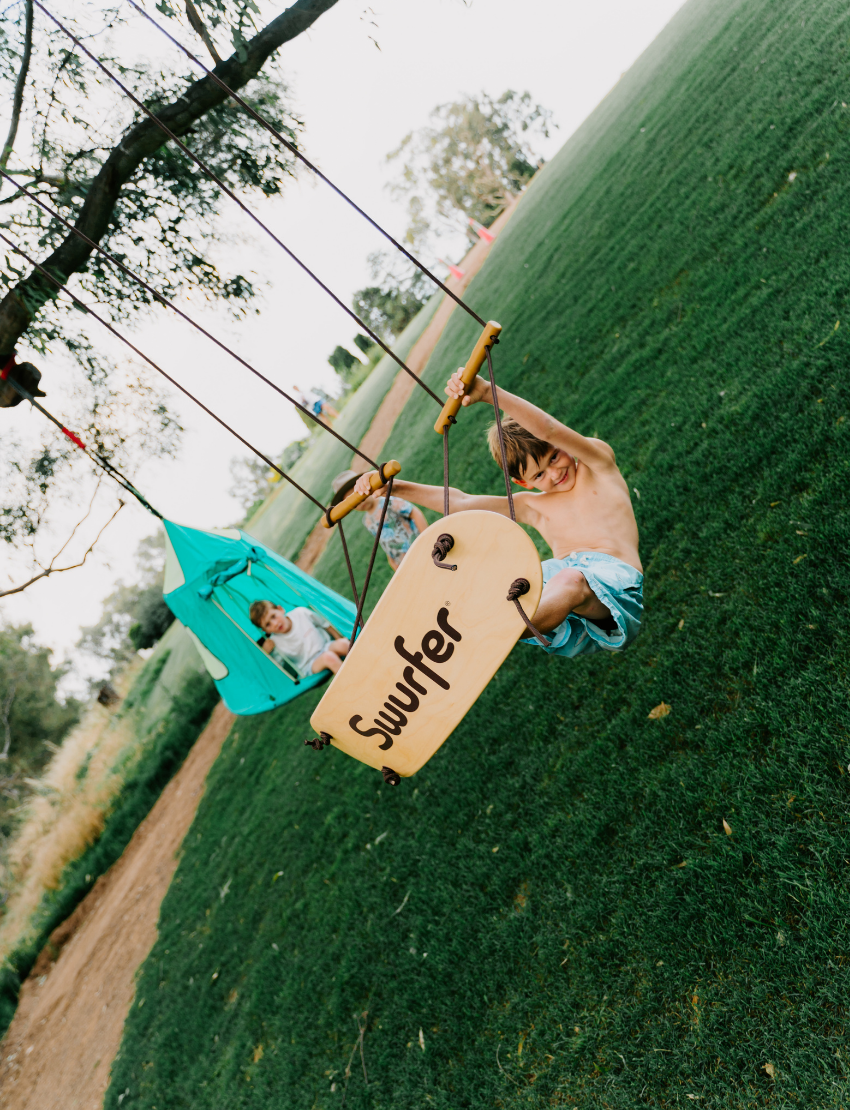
<point>592,595</point>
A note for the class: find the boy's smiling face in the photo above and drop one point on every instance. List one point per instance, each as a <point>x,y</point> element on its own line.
<point>554,473</point>
<point>276,620</point>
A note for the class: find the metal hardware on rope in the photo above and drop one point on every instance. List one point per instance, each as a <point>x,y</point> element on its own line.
<point>76,300</point>
<point>170,304</point>
<point>294,150</point>
<point>518,588</point>
<point>229,192</point>
<point>391,777</point>
<point>443,545</point>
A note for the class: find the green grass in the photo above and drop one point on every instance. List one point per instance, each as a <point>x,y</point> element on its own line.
<point>673,292</point>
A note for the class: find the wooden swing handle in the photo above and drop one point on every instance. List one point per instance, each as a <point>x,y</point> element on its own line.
<point>389,470</point>
<point>476,361</point>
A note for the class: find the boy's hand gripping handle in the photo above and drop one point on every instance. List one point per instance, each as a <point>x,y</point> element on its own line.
<point>476,360</point>
<point>377,480</point>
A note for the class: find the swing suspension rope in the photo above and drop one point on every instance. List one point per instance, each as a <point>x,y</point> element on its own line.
<point>114,331</point>
<point>170,304</point>
<point>229,192</point>
<point>95,456</point>
<point>290,146</point>
<point>163,300</point>
<point>445,542</point>
<point>107,466</point>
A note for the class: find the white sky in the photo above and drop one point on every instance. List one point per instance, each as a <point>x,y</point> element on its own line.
<point>357,103</point>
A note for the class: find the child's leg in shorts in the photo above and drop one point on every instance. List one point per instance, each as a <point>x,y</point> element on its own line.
<point>331,659</point>
<point>567,592</point>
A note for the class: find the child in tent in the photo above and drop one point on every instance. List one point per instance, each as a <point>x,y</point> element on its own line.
<point>592,595</point>
<point>402,524</point>
<point>304,638</point>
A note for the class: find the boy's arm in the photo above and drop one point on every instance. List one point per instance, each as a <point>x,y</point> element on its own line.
<point>431,497</point>
<point>593,452</point>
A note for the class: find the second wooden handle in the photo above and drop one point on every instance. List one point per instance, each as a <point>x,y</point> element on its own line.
<point>345,506</point>
<point>476,361</point>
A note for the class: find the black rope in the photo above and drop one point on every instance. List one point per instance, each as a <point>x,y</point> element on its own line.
<point>502,450</point>
<point>170,304</point>
<point>375,545</point>
<point>446,465</point>
<point>520,586</point>
<point>97,458</point>
<point>294,150</point>
<point>229,192</point>
<point>350,573</point>
<point>85,308</point>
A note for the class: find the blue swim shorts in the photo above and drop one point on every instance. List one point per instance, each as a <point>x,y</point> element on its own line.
<point>617,585</point>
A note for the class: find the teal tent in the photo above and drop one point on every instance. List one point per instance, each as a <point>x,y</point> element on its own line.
<point>211,578</point>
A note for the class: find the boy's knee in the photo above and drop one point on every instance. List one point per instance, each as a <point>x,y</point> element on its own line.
<point>569,580</point>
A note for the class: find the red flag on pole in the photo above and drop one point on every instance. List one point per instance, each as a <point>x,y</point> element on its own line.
<point>482,231</point>
<point>456,271</point>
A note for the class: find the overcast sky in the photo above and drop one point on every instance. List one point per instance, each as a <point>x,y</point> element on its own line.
<point>357,102</point>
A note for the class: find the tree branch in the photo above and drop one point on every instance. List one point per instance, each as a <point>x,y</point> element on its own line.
<point>7,707</point>
<point>200,29</point>
<point>20,85</point>
<point>139,142</point>
<point>60,570</point>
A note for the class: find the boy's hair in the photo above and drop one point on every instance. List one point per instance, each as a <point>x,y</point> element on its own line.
<point>258,611</point>
<point>520,445</point>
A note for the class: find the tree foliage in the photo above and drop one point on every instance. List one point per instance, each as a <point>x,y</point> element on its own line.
<point>90,156</point>
<point>475,157</point>
<point>31,715</point>
<point>134,616</point>
<point>398,292</point>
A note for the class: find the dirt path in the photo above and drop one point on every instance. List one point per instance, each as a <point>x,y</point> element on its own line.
<point>60,1046</point>
<point>59,1049</point>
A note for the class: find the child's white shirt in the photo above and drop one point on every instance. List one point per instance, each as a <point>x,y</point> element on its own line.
<point>308,637</point>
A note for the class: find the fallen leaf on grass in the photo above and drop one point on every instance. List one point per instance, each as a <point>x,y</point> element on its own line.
<point>421,1040</point>
<point>770,1069</point>
<point>659,711</point>
<point>727,828</point>
<point>799,559</point>
<point>258,1053</point>
<point>681,624</point>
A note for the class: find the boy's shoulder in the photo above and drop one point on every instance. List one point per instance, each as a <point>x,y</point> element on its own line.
<point>301,611</point>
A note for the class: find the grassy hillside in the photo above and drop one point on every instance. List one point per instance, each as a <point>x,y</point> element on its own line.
<point>553,912</point>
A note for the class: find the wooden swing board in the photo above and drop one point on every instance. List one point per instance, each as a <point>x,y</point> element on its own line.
<point>433,642</point>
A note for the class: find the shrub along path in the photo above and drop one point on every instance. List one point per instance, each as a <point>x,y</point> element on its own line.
<point>70,1016</point>
<point>59,1048</point>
